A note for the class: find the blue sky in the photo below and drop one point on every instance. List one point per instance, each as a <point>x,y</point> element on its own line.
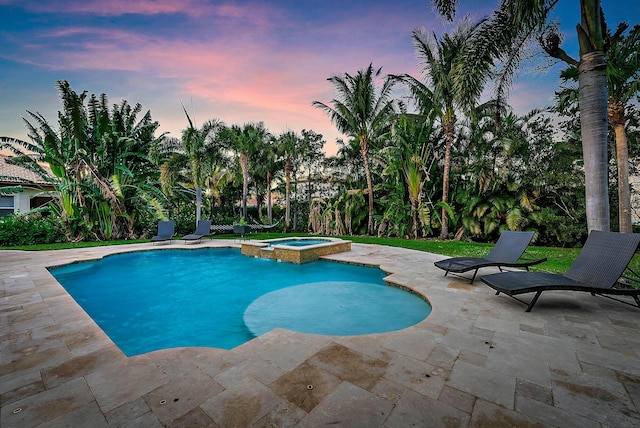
<point>236,61</point>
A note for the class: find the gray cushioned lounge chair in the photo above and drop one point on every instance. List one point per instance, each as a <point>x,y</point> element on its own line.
<point>508,252</point>
<point>598,270</point>
<point>166,231</point>
<point>203,228</point>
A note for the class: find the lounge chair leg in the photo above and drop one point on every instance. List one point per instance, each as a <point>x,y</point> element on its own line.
<point>533,301</point>
<point>473,278</point>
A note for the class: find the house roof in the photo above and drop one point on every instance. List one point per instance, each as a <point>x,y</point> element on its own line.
<point>23,175</point>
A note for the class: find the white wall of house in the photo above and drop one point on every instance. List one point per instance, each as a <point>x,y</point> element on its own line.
<point>17,202</point>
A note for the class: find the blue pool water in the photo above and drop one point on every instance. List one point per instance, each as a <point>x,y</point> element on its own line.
<point>299,242</point>
<point>151,300</point>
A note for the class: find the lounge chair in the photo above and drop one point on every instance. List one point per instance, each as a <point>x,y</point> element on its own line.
<point>508,252</point>
<point>202,229</point>
<point>242,229</point>
<point>598,268</point>
<point>166,231</point>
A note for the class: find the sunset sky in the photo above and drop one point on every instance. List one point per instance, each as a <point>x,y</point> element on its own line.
<point>236,61</point>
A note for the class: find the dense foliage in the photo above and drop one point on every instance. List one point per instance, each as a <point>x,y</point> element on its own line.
<point>105,181</point>
<point>30,230</point>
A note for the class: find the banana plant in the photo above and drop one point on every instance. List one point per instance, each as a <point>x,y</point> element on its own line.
<point>409,156</point>
<point>97,158</point>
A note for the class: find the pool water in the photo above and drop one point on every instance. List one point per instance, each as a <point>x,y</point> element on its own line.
<point>151,300</point>
<point>299,242</point>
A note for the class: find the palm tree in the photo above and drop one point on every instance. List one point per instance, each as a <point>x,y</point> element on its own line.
<point>199,152</point>
<point>311,158</point>
<point>264,166</point>
<point>440,59</point>
<point>271,165</point>
<point>244,141</point>
<point>623,82</point>
<point>501,38</point>
<point>288,149</point>
<point>361,114</point>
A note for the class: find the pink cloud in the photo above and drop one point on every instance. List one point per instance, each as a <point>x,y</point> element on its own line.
<point>114,7</point>
<point>238,71</point>
<point>254,13</point>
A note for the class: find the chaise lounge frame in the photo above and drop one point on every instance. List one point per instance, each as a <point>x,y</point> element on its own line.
<point>166,231</point>
<point>509,252</point>
<point>602,268</point>
<point>203,228</point>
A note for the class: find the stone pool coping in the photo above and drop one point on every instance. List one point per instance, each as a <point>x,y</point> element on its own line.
<point>477,360</point>
<point>269,249</point>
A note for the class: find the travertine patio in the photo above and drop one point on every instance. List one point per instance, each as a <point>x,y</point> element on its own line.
<point>477,360</point>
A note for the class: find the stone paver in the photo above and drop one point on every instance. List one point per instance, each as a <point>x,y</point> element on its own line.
<point>477,360</point>
<point>416,410</point>
<point>339,409</point>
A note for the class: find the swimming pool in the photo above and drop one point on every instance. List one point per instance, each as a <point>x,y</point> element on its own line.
<point>150,300</point>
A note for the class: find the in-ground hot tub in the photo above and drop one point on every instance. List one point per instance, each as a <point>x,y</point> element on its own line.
<point>295,250</point>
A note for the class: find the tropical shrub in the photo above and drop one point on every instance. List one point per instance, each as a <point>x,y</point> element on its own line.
<point>99,157</point>
<point>17,229</point>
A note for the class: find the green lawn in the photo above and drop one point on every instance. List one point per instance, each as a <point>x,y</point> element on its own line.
<point>559,259</point>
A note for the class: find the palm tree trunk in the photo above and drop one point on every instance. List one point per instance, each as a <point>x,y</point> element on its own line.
<point>364,148</point>
<point>593,121</point>
<point>415,218</point>
<point>198,203</point>
<point>244,164</point>
<point>287,210</point>
<point>269,209</point>
<point>260,203</point>
<point>624,193</point>
<point>617,120</point>
<point>448,129</point>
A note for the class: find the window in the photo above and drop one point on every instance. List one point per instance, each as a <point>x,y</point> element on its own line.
<point>6,205</point>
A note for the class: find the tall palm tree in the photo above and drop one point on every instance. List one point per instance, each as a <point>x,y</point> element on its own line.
<point>264,165</point>
<point>501,38</point>
<point>440,59</point>
<point>244,141</point>
<point>362,114</point>
<point>311,158</point>
<point>288,149</point>
<point>199,152</point>
<point>272,166</point>
<point>623,82</point>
